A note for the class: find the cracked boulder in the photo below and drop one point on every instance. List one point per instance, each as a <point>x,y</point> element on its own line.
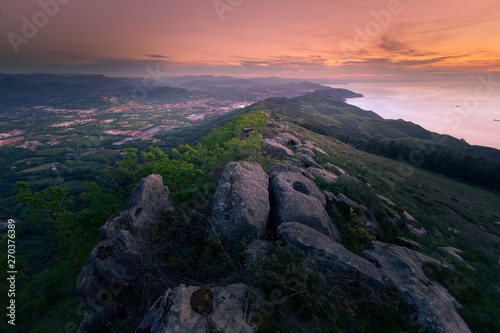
<point>241,202</point>
<point>202,310</point>
<point>297,199</point>
<point>433,305</point>
<point>330,254</point>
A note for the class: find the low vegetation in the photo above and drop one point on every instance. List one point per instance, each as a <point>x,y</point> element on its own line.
<point>299,295</point>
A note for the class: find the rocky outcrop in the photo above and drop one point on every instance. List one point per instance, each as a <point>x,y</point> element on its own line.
<point>326,175</point>
<point>297,199</point>
<point>289,166</point>
<point>287,139</point>
<point>200,310</point>
<point>309,162</point>
<point>359,213</point>
<point>148,202</point>
<point>331,255</point>
<point>338,170</point>
<point>308,152</point>
<point>311,145</point>
<point>432,303</point>
<point>330,199</point>
<point>111,281</point>
<point>276,149</point>
<point>414,226</point>
<point>241,202</point>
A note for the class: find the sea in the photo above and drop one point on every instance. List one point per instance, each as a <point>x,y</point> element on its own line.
<point>465,110</point>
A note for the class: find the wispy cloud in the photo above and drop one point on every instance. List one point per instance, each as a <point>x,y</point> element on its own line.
<point>157,56</point>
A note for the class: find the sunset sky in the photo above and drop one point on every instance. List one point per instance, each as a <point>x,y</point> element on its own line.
<point>405,39</point>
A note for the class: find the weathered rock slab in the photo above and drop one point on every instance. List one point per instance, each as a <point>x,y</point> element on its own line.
<point>241,202</point>
<point>326,175</point>
<point>298,199</point>
<point>309,162</point>
<point>433,304</point>
<point>330,254</point>
<point>173,312</point>
<point>276,149</point>
<point>287,139</point>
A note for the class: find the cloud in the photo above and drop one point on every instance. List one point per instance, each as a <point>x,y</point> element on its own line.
<point>157,56</point>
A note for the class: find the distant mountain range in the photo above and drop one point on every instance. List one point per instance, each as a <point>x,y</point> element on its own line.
<point>320,105</point>
<point>25,90</point>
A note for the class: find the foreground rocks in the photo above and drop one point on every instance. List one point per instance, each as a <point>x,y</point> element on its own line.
<point>246,203</point>
<point>330,254</point>
<point>297,199</point>
<point>432,303</point>
<point>200,310</point>
<point>111,282</point>
<point>241,202</point>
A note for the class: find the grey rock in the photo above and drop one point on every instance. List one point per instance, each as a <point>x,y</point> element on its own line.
<point>340,171</point>
<point>298,183</point>
<point>414,226</point>
<point>287,139</point>
<point>362,213</point>
<point>344,200</point>
<point>326,175</point>
<point>276,149</point>
<point>297,199</point>
<point>433,304</point>
<point>101,302</point>
<point>110,284</point>
<point>173,312</point>
<point>330,198</point>
<point>308,161</point>
<point>312,145</point>
<point>330,254</point>
<point>308,152</point>
<point>455,254</point>
<point>117,259</point>
<point>241,202</point>
<point>277,168</point>
<point>386,200</point>
<point>305,173</point>
<point>149,200</point>
<point>411,244</point>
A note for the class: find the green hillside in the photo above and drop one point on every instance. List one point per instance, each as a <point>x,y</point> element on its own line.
<point>453,213</point>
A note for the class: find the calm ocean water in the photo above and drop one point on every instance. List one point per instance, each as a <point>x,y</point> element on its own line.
<point>464,110</point>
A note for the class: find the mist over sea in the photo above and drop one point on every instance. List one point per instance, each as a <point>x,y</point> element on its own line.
<point>463,110</point>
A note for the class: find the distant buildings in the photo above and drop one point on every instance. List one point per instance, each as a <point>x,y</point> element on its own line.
<point>31,145</point>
